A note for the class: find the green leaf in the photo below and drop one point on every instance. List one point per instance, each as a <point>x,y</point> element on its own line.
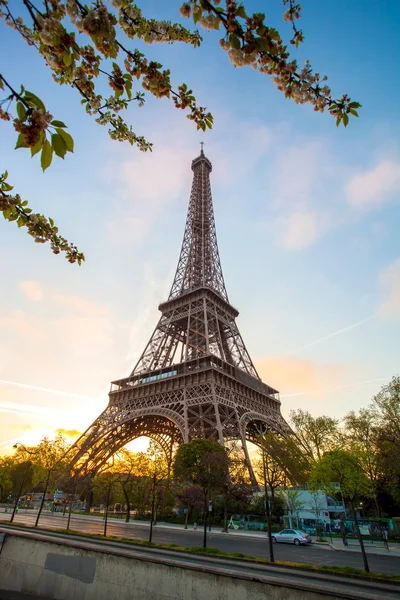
<point>353,112</point>
<point>6,187</point>
<point>21,221</point>
<point>128,88</point>
<point>47,155</point>
<point>21,143</point>
<point>274,34</point>
<point>338,120</point>
<point>354,105</point>
<point>241,12</point>
<point>69,142</point>
<point>67,59</point>
<point>1,84</point>
<point>197,15</point>
<point>21,110</point>
<point>234,41</point>
<point>38,146</point>
<point>59,145</point>
<point>261,44</point>
<point>58,124</point>
<point>33,100</point>
<point>345,119</point>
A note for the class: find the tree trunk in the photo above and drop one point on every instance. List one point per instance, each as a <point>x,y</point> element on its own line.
<point>89,500</point>
<point>225,530</point>
<point>69,513</point>
<point>205,519</point>
<point>378,508</point>
<point>364,555</point>
<point>272,505</point>
<point>106,516</point>
<point>128,507</point>
<point>268,512</point>
<point>187,516</point>
<point>153,503</point>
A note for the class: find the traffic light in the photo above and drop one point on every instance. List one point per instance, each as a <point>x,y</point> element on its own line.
<point>28,497</point>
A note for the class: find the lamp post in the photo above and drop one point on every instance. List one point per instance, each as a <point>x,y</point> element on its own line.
<point>43,497</point>
<point>22,482</point>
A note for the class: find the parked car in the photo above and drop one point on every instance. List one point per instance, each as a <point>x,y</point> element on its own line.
<point>292,536</point>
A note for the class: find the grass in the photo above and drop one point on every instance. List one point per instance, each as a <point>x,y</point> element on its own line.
<point>349,571</point>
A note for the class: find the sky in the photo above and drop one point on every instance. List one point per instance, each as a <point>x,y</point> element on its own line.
<point>307,219</point>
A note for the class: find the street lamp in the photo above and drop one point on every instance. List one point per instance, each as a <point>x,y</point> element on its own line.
<point>43,497</point>
<point>22,482</point>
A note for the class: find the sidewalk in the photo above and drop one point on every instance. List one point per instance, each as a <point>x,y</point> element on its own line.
<point>370,547</point>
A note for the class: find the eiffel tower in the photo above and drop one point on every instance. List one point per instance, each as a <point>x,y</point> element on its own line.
<point>195,378</point>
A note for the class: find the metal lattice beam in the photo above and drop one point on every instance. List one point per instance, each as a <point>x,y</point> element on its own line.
<point>195,377</point>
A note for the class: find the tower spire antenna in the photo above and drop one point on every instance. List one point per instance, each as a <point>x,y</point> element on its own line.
<point>202,149</point>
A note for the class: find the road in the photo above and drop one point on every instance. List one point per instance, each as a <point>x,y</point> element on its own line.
<point>385,564</point>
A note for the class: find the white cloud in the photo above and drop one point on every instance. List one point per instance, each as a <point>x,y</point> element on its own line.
<point>390,281</point>
<point>298,197</point>
<point>32,290</point>
<point>296,171</point>
<point>374,186</point>
<point>301,229</point>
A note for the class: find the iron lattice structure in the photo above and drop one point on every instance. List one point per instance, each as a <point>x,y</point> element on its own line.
<point>195,377</point>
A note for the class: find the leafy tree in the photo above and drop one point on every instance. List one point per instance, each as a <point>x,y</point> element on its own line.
<point>286,459</point>
<point>6,483</point>
<point>386,410</point>
<point>105,488</point>
<point>159,470</point>
<point>237,488</point>
<point>204,464</point>
<point>316,506</point>
<point>293,503</point>
<point>362,439</point>
<point>343,467</point>
<point>190,497</point>
<point>268,470</point>
<point>133,469</point>
<point>88,47</point>
<point>316,435</point>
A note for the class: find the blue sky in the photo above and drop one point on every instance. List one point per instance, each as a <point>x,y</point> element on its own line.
<point>307,218</point>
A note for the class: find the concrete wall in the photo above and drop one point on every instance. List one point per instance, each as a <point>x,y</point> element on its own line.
<point>69,572</point>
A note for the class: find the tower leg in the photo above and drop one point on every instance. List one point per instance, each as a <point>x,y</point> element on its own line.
<point>248,463</point>
<point>218,418</point>
<point>185,416</point>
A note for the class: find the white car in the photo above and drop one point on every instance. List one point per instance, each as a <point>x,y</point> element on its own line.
<point>291,536</point>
